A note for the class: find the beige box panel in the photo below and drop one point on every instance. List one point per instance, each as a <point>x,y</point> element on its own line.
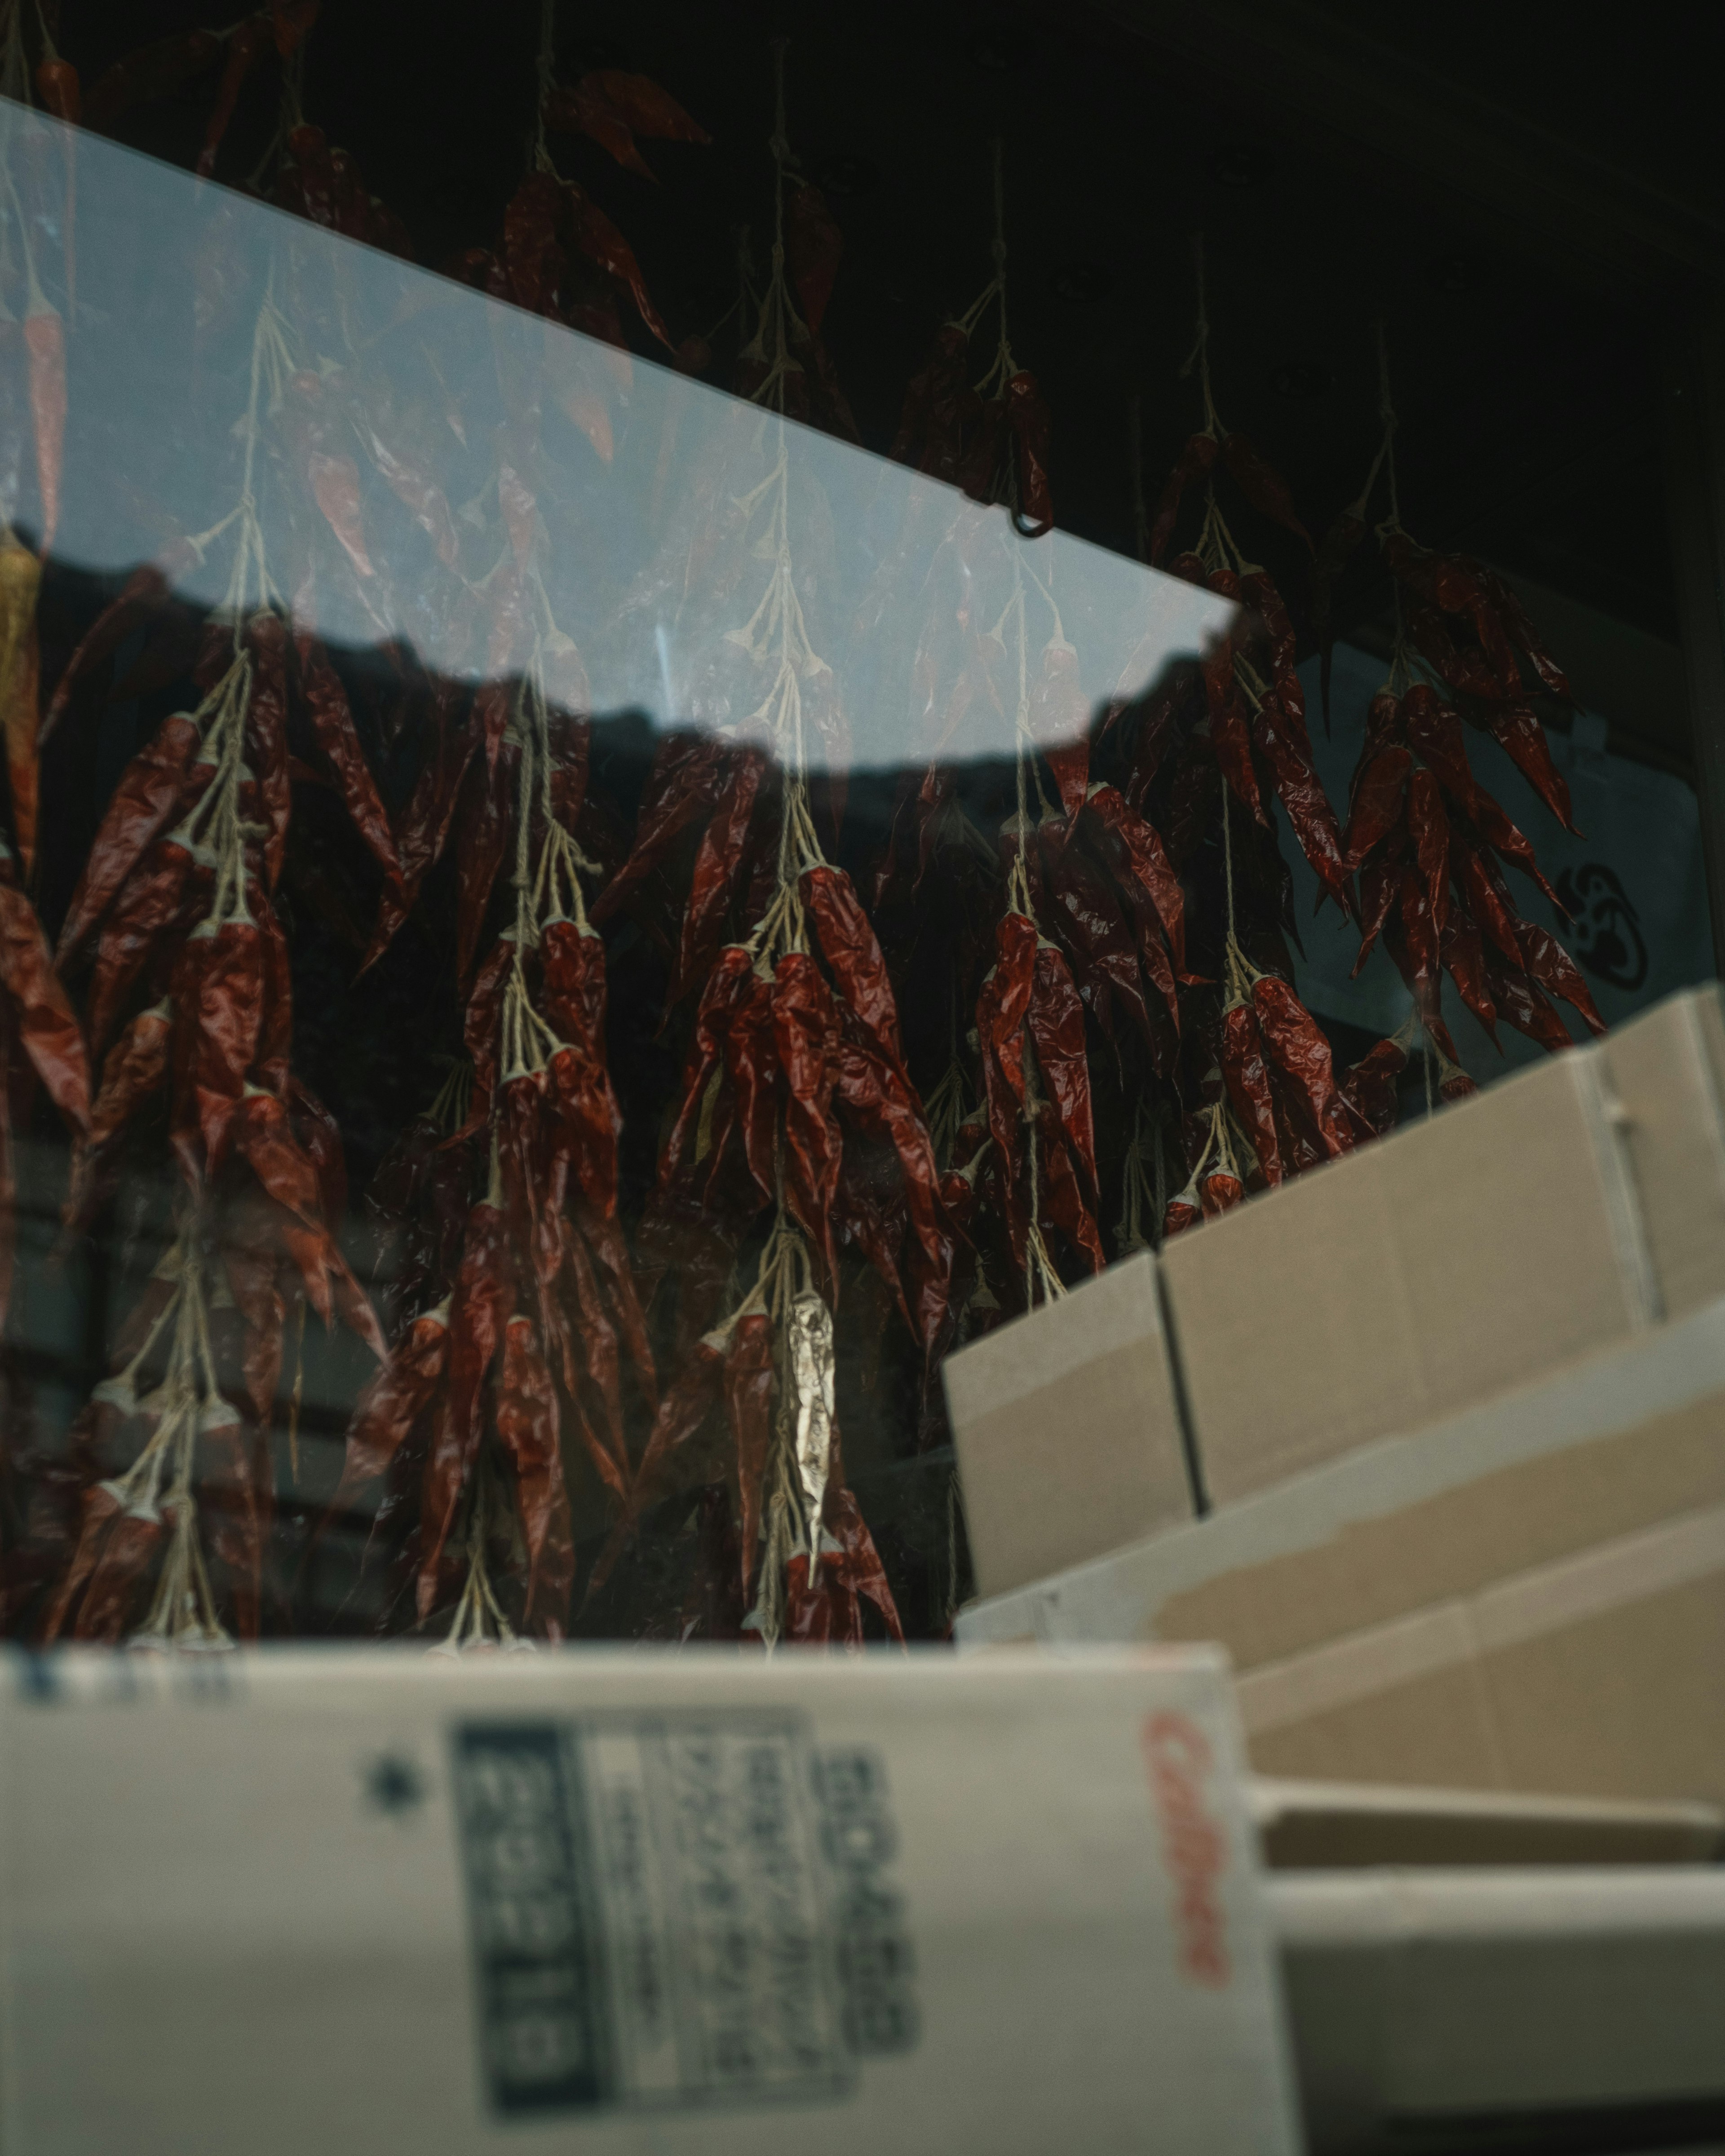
<point>1602,1677</point>
<point>1609,1445</point>
<point>1471,1253</point>
<point>1067,1431</point>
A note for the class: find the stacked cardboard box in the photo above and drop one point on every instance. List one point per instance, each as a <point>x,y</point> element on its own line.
<point>1456,1407</point>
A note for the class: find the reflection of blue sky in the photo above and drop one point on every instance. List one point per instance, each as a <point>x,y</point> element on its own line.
<point>629,462</point>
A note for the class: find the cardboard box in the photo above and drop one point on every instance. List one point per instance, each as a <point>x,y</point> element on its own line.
<point>1305,1826</point>
<point>1667,1074</point>
<point>1620,1441</point>
<point>348,1902</point>
<point>1067,1431</point>
<point>1464,1256</point>
<point>1507,2010</point>
<point>1603,1674</point>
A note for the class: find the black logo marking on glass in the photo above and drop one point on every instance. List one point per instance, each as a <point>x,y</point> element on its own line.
<point>1605,933</point>
<point>678,1910</point>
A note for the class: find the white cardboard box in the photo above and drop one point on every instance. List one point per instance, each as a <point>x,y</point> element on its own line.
<point>279,1903</point>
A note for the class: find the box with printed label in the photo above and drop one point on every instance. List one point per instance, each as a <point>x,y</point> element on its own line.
<point>1066,1429</point>
<point>346,1902</point>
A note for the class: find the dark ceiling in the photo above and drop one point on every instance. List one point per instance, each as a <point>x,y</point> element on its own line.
<point>1526,388</point>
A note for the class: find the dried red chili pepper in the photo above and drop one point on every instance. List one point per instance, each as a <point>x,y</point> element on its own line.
<point>1003,1007</point>
<point>126,1555</point>
<point>1248,1084</point>
<point>1063,1201</point>
<point>332,727</point>
<point>479,1308</point>
<point>850,948</point>
<point>1380,790</point>
<point>1429,828</point>
<point>148,902</point>
<point>1060,724</point>
<point>219,1006</point>
<point>47,1026</point>
<point>391,1403</point>
<point>1283,742</point>
<point>1135,855</point>
<point>1371,1088</point>
<point>527,1425</point>
<point>1518,732</point>
<point>930,429</point>
<point>1488,901</point>
<point>266,734</point>
<point>806,1035</point>
<point>1219,1192</point>
<point>1521,1004</point>
<point>688,778</point>
<point>246,46</point>
<point>573,962</point>
<point>1464,959</point>
<point>813,249</point>
<point>100,1507</point>
<point>1552,968</point>
<point>1055,1018</point>
<point>584,109</point>
<point>151,71</point>
<point>751,1067</point>
<point>291,22</point>
<point>1230,732</point>
<point>648,109</point>
<point>135,1068</point>
<point>596,237</point>
<point>1196,461</point>
<point>726,987</point>
<point>423,831</point>
<point>483,825</point>
<point>138,810</point>
<point>1296,1046</point>
<point>683,1410</point>
<point>1028,421</point>
<point>718,863</point>
<point>748,1408</point>
<point>1265,489</point>
<point>261,1132</point>
<point>878,1101</point>
<point>479,1031</point>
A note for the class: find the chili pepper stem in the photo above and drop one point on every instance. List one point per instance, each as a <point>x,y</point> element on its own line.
<point>182,1612</point>
<point>478,1603</point>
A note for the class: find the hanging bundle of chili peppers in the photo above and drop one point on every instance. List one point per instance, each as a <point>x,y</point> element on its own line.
<point>1206,753</point>
<point>1430,844</point>
<point>989,437</point>
<point>520,1311</point>
<point>190,1005</point>
<point>795,1096</point>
